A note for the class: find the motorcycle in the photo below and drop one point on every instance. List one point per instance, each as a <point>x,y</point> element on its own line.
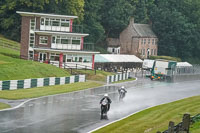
<point>122,93</point>
<point>104,110</point>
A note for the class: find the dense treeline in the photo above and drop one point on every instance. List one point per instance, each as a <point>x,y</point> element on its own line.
<point>175,22</point>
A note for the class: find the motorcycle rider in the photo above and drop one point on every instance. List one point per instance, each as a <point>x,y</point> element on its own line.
<point>122,89</point>
<point>108,100</point>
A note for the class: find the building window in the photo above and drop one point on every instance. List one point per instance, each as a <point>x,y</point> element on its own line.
<point>69,58</point>
<point>65,23</point>
<point>144,41</point>
<point>58,41</point>
<point>53,39</point>
<point>32,24</point>
<point>55,22</point>
<point>31,39</point>
<point>75,58</point>
<point>42,21</point>
<point>54,57</point>
<point>151,51</point>
<point>65,41</point>
<point>76,42</point>
<point>87,59</point>
<point>80,59</point>
<point>149,41</point>
<point>47,22</point>
<point>30,55</point>
<point>153,41</point>
<point>43,39</point>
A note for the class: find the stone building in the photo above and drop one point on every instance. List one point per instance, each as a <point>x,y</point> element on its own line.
<point>139,40</point>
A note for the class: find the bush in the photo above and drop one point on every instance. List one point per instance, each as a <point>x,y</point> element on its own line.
<point>166,58</point>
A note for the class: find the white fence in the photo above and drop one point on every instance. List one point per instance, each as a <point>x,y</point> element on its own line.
<point>118,77</point>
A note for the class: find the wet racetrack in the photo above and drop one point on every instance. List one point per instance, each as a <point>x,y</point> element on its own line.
<point>80,111</point>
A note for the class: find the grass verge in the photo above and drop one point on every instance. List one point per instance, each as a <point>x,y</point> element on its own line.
<point>90,74</point>
<point>195,128</point>
<point>13,68</point>
<point>156,118</point>
<point>8,41</point>
<point>4,106</point>
<point>121,81</point>
<point>44,91</point>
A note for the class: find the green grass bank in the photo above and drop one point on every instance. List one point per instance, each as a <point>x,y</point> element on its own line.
<point>4,106</point>
<point>13,68</point>
<point>90,75</point>
<point>9,42</point>
<point>156,118</point>
<point>45,91</point>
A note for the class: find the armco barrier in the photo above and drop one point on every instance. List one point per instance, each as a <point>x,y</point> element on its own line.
<point>118,77</point>
<point>39,82</point>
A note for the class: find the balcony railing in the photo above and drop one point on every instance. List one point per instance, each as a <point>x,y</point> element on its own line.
<point>75,28</point>
<point>86,47</point>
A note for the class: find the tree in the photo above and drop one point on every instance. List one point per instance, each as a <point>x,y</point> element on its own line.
<point>69,7</point>
<point>173,29</point>
<point>92,19</point>
<point>10,21</point>
<point>140,15</point>
<point>116,15</point>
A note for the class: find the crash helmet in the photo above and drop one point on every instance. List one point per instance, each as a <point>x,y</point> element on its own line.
<point>122,87</point>
<point>106,95</point>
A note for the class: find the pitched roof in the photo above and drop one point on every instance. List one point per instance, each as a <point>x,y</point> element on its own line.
<point>114,42</point>
<point>143,30</point>
<point>183,64</point>
<point>116,58</point>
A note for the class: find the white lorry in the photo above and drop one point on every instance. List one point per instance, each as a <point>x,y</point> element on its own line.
<point>162,69</point>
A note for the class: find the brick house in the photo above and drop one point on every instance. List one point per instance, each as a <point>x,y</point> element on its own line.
<point>138,39</point>
<point>52,38</point>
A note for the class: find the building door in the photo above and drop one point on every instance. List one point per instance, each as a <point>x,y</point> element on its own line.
<point>42,57</point>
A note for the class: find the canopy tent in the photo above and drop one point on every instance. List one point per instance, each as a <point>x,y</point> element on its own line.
<point>113,58</point>
<point>183,64</point>
<point>112,62</point>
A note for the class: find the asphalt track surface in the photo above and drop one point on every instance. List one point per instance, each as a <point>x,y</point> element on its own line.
<point>80,111</point>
